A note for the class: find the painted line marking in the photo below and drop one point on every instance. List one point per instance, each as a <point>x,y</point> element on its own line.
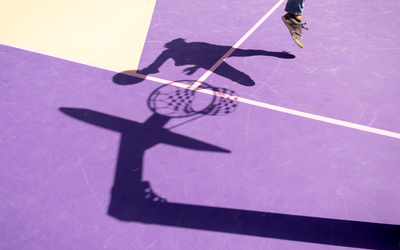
<point>321,118</point>
<point>240,99</point>
<point>234,47</point>
<point>275,108</point>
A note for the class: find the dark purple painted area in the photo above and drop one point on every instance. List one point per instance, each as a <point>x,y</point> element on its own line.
<point>286,183</point>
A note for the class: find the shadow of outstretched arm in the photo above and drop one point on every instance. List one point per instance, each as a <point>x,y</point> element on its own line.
<point>251,52</point>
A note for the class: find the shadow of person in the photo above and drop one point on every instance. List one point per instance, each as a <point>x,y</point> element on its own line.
<point>200,55</point>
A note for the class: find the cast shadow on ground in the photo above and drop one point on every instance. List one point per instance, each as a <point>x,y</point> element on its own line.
<point>199,55</point>
<point>133,200</point>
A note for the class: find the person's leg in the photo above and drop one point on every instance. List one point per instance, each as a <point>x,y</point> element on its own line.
<point>292,20</point>
<point>295,7</point>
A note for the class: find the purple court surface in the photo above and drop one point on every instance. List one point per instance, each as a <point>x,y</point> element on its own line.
<point>308,156</point>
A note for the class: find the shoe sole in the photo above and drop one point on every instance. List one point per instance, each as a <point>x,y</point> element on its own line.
<point>291,30</point>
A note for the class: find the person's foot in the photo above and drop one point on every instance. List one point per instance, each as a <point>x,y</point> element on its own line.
<point>294,27</point>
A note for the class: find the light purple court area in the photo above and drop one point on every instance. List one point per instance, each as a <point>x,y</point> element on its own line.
<point>90,160</point>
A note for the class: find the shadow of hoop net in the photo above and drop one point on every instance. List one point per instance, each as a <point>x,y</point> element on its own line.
<point>179,100</point>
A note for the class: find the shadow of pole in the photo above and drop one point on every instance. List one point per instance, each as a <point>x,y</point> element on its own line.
<point>271,225</point>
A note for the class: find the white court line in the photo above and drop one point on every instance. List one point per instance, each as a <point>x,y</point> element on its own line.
<point>234,47</point>
<point>321,118</point>
<point>276,108</point>
<point>243,100</point>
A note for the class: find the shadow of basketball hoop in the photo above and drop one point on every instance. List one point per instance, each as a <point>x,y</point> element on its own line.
<point>133,199</point>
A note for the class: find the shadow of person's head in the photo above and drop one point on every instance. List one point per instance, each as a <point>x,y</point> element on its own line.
<point>176,43</point>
